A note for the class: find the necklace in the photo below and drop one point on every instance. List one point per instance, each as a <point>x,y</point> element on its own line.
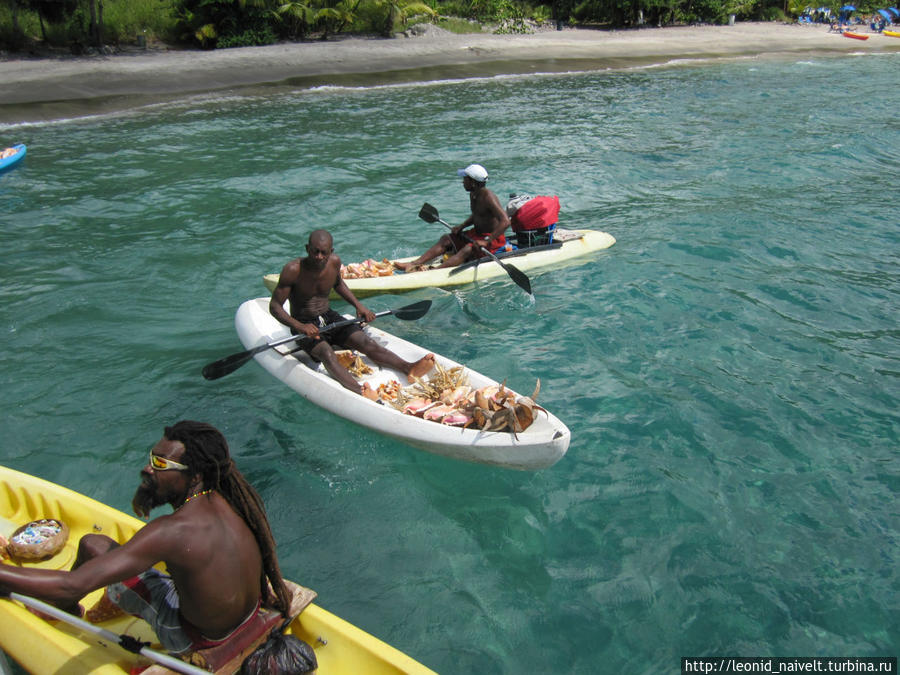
<point>196,494</point>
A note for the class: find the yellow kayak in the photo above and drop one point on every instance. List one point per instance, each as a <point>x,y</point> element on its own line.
<point>41,646</point>
<point>891,33</point>
<point>568,245</point>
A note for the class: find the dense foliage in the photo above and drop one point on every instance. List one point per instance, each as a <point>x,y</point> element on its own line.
<point>80,24</point>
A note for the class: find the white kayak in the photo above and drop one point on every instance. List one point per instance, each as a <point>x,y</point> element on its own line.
<point>569,245</point>
<point>541,445</point>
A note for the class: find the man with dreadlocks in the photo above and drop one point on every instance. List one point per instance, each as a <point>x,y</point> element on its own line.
<point>217,548</point>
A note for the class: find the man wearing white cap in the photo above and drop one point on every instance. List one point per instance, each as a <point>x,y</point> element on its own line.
<point>487,224</point>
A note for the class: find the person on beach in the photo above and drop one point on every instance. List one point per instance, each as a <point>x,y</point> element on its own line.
<point>218,537</point>
<point>487,226</point>
<point>307,282</point>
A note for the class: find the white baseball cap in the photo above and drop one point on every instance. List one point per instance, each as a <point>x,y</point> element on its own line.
<point>474,171</point>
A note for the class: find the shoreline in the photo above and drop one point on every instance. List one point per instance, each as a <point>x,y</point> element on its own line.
<point>38,89</point>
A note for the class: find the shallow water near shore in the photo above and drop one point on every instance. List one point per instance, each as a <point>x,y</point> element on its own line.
<point>730,369</point>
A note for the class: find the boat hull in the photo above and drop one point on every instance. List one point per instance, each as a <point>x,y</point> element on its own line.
<point>891,33</point>
<point>43,647</point>
<point>855,36</point>
<point>574,244</point>
<point>539,446</point>
<point>12,160</point>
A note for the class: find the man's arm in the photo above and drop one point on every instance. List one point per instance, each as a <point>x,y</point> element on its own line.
<point>148,546</point>
<point>498,214</point>
<point>286,280</point>
<point>463,225</point>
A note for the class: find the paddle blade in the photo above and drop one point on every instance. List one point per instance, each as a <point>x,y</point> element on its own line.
<point>429,214</point>
<point>414,311</point>
<point>229,364</point>
<point>519,277</point>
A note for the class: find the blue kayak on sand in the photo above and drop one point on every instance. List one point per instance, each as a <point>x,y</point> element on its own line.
<point>12,159</point>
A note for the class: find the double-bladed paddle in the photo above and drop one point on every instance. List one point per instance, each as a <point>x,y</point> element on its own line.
<point>229,364</point>
<point>430,215</point>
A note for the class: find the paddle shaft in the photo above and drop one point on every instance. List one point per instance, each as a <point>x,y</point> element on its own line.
<point>229,364</point>
<point>163,659</point>
<point>519,253</point>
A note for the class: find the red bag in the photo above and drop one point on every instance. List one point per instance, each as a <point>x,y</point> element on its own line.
<point>536,214</point>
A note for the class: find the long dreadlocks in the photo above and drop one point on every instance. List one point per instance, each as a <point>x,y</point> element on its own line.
<point>206,452</point>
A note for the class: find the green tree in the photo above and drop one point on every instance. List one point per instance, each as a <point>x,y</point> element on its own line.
<point>400,11</point>
<point>206,22</point>
<point>297,16</point>
<point>334,19</point>
<point>52,12</point>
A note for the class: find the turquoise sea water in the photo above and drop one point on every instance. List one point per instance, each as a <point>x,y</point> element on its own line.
<point>730,369</point>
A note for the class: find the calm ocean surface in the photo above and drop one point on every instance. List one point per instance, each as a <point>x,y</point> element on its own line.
<point>730,369</point>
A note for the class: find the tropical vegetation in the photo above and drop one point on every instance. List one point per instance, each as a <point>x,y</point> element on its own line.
<point>81,25</point>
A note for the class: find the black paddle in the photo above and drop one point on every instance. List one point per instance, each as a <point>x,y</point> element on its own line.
<point>229,364</point>
<point>430,215</point>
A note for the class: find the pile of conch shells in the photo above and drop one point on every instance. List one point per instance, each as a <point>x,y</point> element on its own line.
<point>367,269</point>
<point>446,397</point>
<point>353,362</point>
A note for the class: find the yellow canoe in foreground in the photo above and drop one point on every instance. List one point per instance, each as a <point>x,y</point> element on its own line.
<point>568,245</point>
<point>43,647</point>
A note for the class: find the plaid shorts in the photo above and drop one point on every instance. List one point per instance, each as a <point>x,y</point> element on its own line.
<point>152,596</point>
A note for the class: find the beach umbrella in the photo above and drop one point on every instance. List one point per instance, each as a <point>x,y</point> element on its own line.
<point>848,8</point>
<point>895,11</point>
<point>886,14</point>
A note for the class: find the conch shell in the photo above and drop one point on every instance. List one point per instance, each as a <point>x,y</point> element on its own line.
<point>447,398</point>
<point>353,362</point>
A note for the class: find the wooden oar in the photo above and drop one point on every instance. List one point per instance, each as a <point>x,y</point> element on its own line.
<point>430,215</point>
<point>126,642</point>
<point>229,364</point>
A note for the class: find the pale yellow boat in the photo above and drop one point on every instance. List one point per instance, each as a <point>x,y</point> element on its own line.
<point>568,247</point>
<point>40,646</point>
<point>891,33</point>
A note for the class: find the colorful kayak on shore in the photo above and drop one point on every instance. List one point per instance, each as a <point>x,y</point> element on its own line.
<point>541,444</point>
<point>40,647</point>
<point>891,33</point>
<point>855,36</point>
<point>568,246</point>
<point>11,156</point>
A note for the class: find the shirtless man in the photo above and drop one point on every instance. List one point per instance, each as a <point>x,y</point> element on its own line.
<point>307,282</point>
<point>488,224</point>
<point>217,538</point>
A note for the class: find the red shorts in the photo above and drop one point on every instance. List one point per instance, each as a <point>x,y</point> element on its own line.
<point>459,241</point>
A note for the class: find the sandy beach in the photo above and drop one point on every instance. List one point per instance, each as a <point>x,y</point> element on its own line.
<point>40,88</point>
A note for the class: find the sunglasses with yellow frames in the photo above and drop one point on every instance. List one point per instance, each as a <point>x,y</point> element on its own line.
<point>162,464</point>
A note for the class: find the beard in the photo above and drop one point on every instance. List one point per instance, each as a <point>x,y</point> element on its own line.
<point>146,497</point>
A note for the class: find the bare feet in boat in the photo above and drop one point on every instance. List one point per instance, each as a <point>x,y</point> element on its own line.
<point>407,266</point>
<point>368,392</point>
<point>420,367</point>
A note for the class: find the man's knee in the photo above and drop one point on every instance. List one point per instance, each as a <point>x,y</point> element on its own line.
<point>322,351</point>
<point>359,341</point>
<point>92,546</point>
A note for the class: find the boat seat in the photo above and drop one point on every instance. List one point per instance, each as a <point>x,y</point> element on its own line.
<point>539,237</point>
